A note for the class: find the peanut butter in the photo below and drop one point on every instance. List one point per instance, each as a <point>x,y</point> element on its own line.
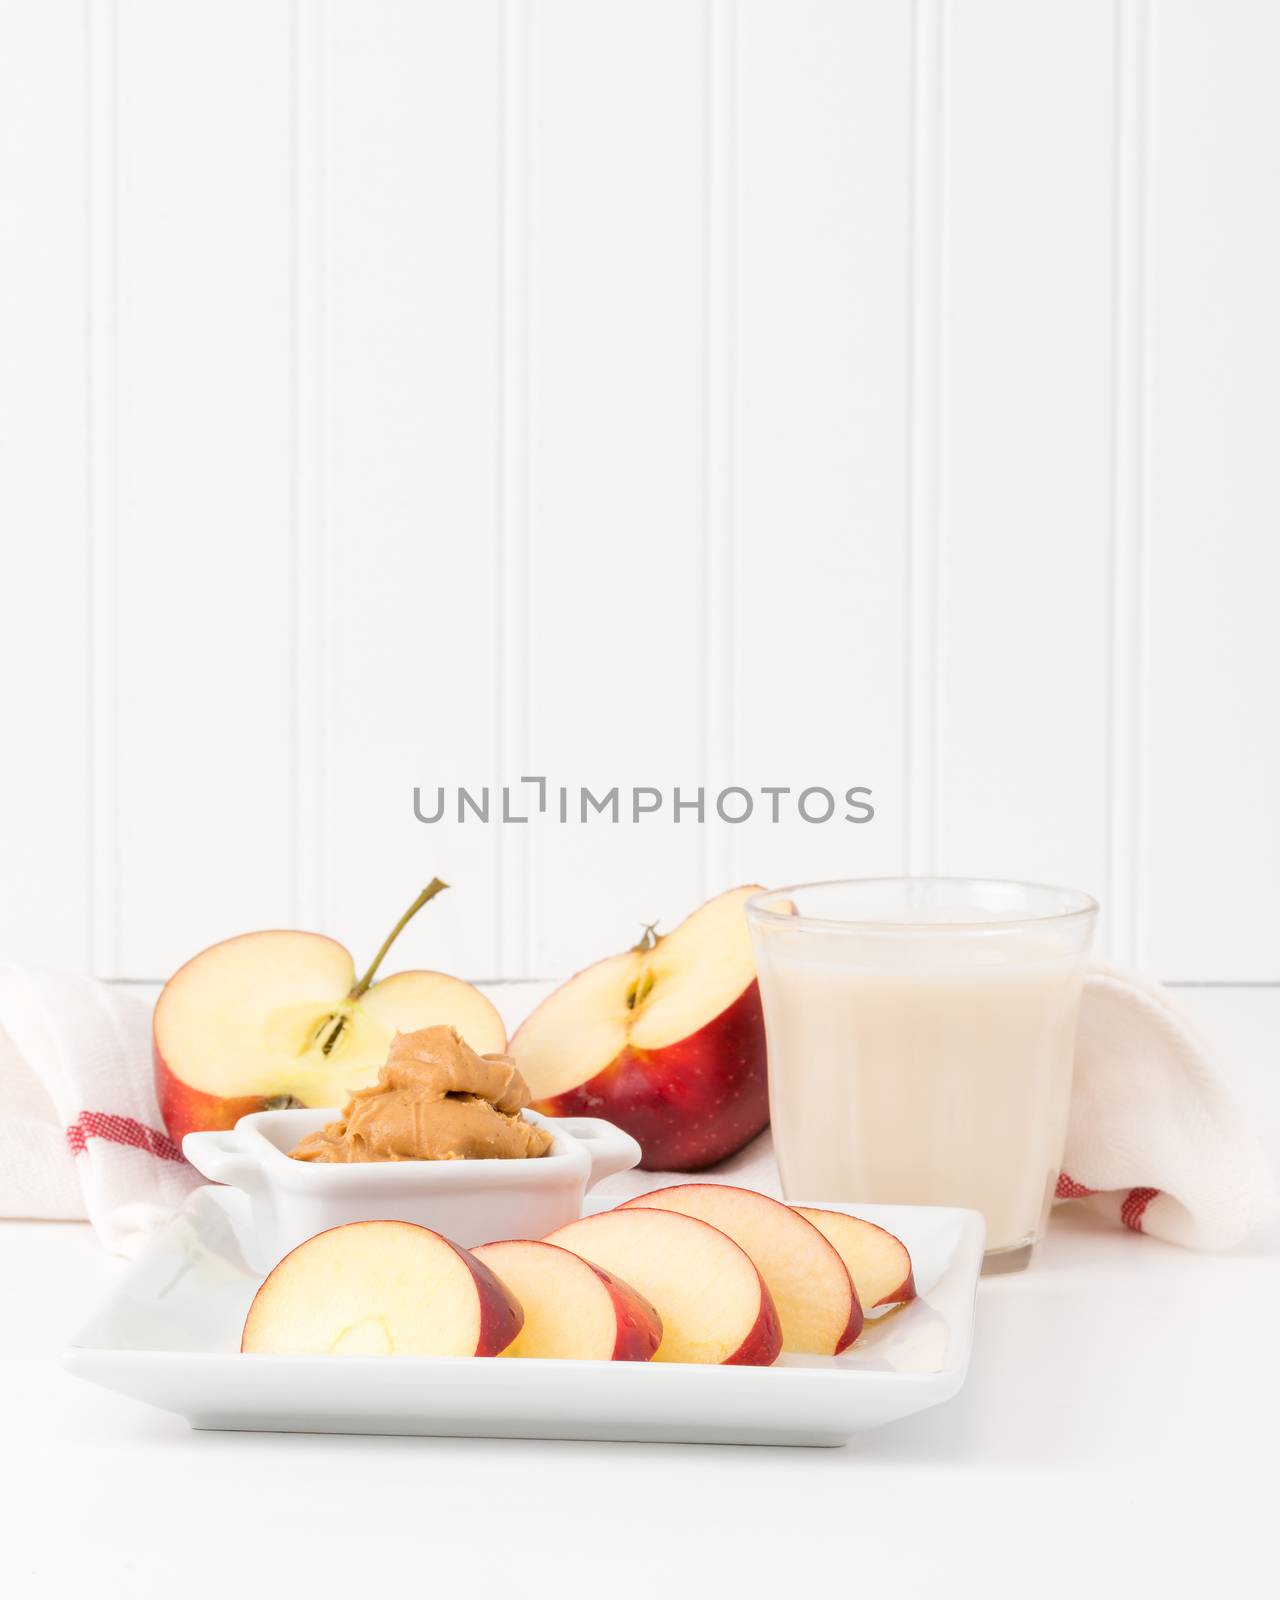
<point>435,1100</point>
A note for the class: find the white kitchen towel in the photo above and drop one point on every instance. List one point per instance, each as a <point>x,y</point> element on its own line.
<point>77,1102</point>
<point>1156,1142</point>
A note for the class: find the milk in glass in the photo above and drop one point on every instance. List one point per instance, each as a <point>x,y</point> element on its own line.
<point>927,1067</point>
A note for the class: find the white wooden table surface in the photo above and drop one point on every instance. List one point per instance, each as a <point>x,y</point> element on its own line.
<point>1116,1437</point>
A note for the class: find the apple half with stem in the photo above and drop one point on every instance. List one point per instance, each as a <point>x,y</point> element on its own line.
<point>878,1261</point>
<point>381,1288</point>
<point>818,1306</point>
<point>714,1305</point>
<point>666,1040</point>
<point>573,1310</point>
<point>279,1019</point>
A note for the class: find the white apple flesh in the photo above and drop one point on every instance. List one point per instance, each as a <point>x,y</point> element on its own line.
<point>713,1302</point>
<point>573,1310</point>
<point>810,1285</point>
<point>381,1288</point>
<point>878,1261</point>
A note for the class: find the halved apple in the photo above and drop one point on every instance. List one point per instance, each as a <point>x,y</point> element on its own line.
<point>278,1018</point>
<point>666,1040</point>
<point>713,1303</point>
<point>811,1287</point>
<point>573,1310</point>
<point>381,1288</point>
<point>878,1261</point>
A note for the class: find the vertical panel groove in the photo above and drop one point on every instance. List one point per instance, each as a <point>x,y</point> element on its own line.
<point>310,906</point>
<point>1127,641</point>
<point>923,620</point>
<point>101,360</point>
<point>515,898</point>
<point>719,632</point>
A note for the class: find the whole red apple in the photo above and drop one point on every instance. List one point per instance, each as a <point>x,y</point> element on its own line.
<point>666,1040</point>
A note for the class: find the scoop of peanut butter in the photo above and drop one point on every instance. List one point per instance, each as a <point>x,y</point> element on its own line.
<point>435,1100</point>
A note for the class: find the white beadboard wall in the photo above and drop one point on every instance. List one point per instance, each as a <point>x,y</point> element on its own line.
<point>837,392</point>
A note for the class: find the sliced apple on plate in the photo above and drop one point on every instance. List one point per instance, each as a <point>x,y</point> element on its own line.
<point>713,1303</point>
<point>573,1310</point>
<point>810,1284</point>
<point>381,1288</point>
<point>278,1018</point>
<point>666,1040</point>
<point>878,1261</point>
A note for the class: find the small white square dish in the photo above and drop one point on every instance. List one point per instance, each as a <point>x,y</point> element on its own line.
<point>169,1333</point>
<point>470,1202</point>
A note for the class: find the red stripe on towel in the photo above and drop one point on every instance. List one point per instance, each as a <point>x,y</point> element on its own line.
<point>120,1130</point>
<point>1069,1189</point>
<point>1133,1206</point>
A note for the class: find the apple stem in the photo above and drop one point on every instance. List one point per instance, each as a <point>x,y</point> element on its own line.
<point>648,939</point>
<point>429,893</point>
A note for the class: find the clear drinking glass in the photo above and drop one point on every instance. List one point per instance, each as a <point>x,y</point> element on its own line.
<point>921,1034</point>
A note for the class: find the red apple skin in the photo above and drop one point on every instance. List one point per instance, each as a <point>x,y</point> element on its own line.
<point>763,1345</point>
<point>185,1110</point>
<point>853,1327</point>
<point>501,1314</point>
<point>906,1290</point>
<point>690,1104</point>
<point>639,1325</point>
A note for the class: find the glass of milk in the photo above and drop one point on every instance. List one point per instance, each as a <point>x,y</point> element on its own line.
<point>921,1033</point>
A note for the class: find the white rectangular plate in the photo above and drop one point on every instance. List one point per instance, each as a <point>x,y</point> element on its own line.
<point>169,1334</point>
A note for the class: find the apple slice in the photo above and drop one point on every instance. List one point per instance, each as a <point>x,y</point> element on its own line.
<point>878,1261</point>
<point>810,1285</point>
<point>665,1040</point>
<point>278,1018</point>
<point>573,1310</point>
<point>381,1288</point>
<point>713,1303</point>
